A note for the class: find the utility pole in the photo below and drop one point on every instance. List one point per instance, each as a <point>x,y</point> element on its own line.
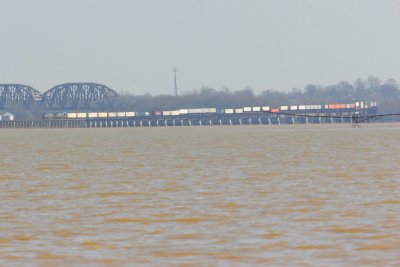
<point>175,84</point>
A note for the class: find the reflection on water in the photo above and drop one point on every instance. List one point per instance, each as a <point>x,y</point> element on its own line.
<point>317,195</point>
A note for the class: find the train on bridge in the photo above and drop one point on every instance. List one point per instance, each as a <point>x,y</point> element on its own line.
<point>251,115</point>
<point>325,109</point>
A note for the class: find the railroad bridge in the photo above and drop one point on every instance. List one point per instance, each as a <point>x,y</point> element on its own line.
<point>70,96</point>
<point>176,121</point>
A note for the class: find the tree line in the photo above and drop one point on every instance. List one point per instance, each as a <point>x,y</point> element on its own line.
<point>386,94</point>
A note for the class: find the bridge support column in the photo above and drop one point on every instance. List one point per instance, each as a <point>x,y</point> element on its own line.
<point>292,120</point>
<point>279,121</point>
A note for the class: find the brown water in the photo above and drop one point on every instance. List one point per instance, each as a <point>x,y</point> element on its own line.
<point>317,195</point>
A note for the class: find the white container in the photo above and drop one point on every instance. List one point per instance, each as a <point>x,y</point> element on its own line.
<point>121,114</point>
<point>256,109</point>
<point>71,115</point>
<point>81,115</point>
<point>195,110</point>
<point>102,114</point>
<point>112,114</point>
<point>293,107</point>
<point>284,108</point>
<point>308,107</point>
<point>247,109</point>
<point>175,112</point>
<point>238,110</point>
<point>319,106</point>
<point>302,107</point>
<point>130,114</point>
<point>229,111</point>
<point>183,111</point>
<point>166,113</point>
<point>92,114</point>
<point>266,108</point>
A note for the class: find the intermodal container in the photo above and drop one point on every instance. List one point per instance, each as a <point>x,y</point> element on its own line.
<point>284,108</point>
<point>302,107</point>
<point>238,110</point>
<point>256,109</point>
<point>352,105</point>
<point>209,110</point>
<point>183,111</point>
<point>158,113</point>
<point>81,115</point>
<point>247,109</point>
<point>342,105</point>
<point>331,106</point>
<point>102,114</point>
<point>121,114</point>
<point>112,114</point>
<point>195,110</point>
<point>71,115</point>
<point>293,107</point>
<point>266,108</point>
<point>130,114</point>
<point>92,114</point>
<point>229,111</point>
<point>166,113</point>
<point>175,113</point>
<point>275,110</point>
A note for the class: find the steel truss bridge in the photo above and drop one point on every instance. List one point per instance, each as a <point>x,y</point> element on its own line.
<point>68,96</point>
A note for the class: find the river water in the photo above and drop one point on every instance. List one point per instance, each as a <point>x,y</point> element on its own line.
<point>304,195</point>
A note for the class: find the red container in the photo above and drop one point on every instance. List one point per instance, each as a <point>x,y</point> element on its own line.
<point>275,110</point>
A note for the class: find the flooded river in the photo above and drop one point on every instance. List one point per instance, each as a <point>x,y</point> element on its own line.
<point>304,195</point>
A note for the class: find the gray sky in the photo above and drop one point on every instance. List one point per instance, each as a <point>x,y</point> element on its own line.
<point>133,45</point>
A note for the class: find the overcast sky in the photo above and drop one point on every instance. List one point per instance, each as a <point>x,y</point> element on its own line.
<point>132,45</point>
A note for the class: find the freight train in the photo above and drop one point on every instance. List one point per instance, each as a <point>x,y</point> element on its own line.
<point>301,109</point>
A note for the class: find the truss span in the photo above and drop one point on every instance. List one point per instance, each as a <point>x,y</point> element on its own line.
<point>75,96</point>
<point>18,95</point>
